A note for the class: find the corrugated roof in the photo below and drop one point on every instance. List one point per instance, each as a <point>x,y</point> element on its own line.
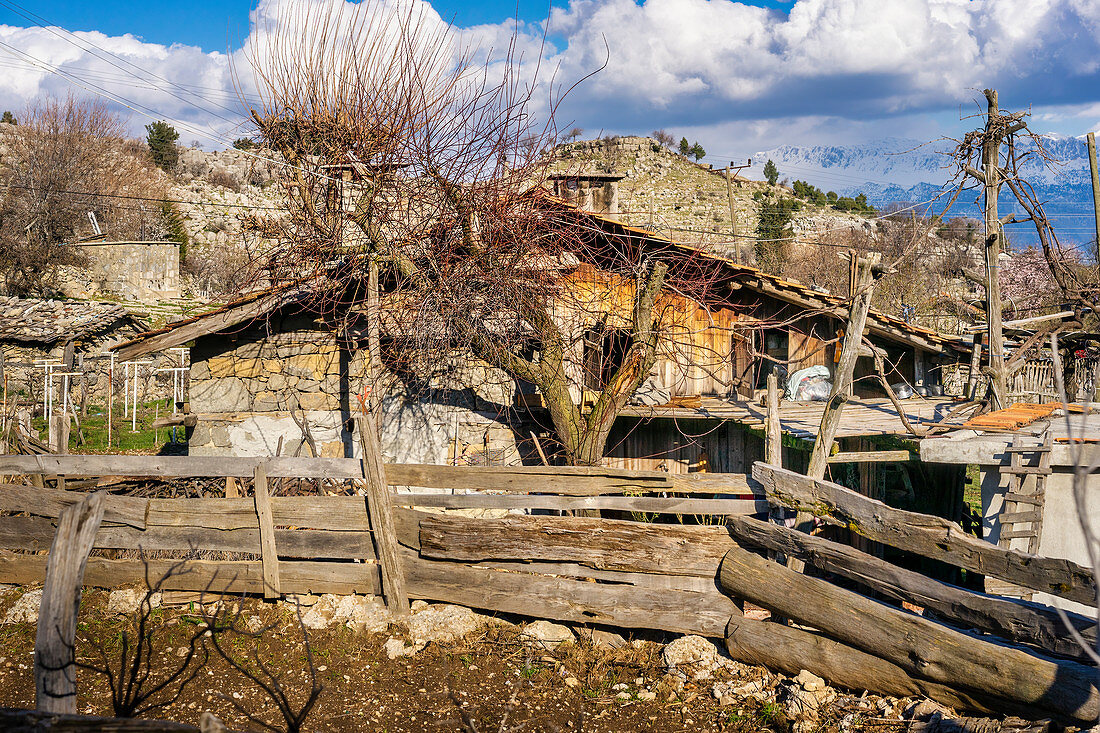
<point>31,320</point>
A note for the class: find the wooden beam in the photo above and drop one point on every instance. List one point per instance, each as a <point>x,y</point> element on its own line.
<point>921,647</point>
<point>129,510</point>
<point>655,505</point>
<point>773,431</point>
<point>200,326</point>
<point>1016,621</point>
<point>872,456</point>
<point>55,642</point>
<point>932,537</point>
<point>30,721</point>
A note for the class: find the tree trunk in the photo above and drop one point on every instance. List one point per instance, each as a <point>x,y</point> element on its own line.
<point>991,148</point>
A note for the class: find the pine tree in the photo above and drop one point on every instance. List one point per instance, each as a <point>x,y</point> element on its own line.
<point>171,228</point>
<point>9,118</point>
<point>162,145</point>
<point>685,147</point>
<point>771,173</point>
<point>697,151</point>
<point>244,143</point>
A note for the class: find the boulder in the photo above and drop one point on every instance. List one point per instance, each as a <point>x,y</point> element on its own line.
<point>443,622</point>
<point>693,656</point>
<point>128,600</point>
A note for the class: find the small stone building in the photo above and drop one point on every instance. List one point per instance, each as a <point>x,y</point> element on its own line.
<point>75,332</point>
<point>139,271</point>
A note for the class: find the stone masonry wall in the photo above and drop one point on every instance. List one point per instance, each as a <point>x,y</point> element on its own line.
<point>245,387</point>
<point>142,271</point>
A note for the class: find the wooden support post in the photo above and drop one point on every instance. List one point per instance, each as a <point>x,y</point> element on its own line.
<point>54,645</point>
<point>382,526</point>
<point>842,377</point>
<point>917,645</point>
<point>773,431</point>
<point>269,557</point>
<point>995,131</point>
<point>538,447</point>
<point>1091,139</point>
<point>231,491</point>
<point>974,378</point>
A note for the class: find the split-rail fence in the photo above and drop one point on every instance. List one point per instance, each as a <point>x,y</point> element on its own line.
<point>963,648</point>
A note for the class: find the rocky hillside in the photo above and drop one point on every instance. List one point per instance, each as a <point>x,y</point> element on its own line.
<point>686,201</point>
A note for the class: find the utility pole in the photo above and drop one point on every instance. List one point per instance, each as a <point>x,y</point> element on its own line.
<point>1091,138</point>
<point>991,173</point>
<point>733,213</point>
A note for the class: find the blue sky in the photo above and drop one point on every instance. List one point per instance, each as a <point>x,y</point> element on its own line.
<point>738,76</point>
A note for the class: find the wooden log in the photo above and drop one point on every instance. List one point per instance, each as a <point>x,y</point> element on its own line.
<point>55,641</point>
<point>605,544</point>
<point>655,505</point>
<point>933,537</point>
<point>1018,621</point>
<point>36,533</point>
<point>564,599</point>
<point>44,502</point>
<point>382,524</point>
<point>269,557</point>
<point>213,577</point>
<point>789,650</point>
<point>921,647</point>
<point>15,720</point>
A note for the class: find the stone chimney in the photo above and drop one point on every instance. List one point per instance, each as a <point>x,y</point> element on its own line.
<point>596,193</point>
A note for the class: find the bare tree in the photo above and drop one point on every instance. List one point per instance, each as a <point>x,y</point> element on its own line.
<point>68,158</point>
<point>405,152</point>
<point>991,158</point>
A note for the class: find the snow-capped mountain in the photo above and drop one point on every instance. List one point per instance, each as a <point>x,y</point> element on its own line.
<point>900,170</point>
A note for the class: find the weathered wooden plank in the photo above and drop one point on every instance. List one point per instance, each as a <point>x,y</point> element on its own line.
<point>313,512</point>
<point>933,537</point>
<point>599,543</point>
<point>871,456</point>
<point>36,533</point>
<point>269,556</point>
<point>790,650</point>
<point>564,599</point>
<point>380,510</point>
<point>55,641</point>
<point>921,647</point>
<point>50,502</point>
<point>655,505</point>
<point>1017,621</point>
<point>215,577</point>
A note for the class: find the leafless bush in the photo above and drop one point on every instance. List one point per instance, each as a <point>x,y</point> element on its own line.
<point>137,674</point>
<point>66,158</point>
<point>223,179</point>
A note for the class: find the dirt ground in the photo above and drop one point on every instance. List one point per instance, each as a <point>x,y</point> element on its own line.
<point>492,681</point>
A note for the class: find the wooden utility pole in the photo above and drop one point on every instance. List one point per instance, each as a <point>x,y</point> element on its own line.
<point>733,216</point>
<point>991,180</point>
<point>1091,138</point>
<point>845,368</point>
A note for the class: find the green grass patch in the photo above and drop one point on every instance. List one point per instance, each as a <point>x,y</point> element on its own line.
<point>123,438</point>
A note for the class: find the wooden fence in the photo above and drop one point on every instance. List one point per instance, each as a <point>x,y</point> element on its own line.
<point>967,649</point>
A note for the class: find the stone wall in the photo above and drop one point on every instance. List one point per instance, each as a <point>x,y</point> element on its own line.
<point>141,271</point>
<point>252,389</point>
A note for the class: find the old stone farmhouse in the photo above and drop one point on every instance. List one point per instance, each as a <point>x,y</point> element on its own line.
<point>75,333</point>
<point>269,374</point>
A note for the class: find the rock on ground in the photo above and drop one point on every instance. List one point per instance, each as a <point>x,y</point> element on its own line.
<point>547,634</point>
<point>395,648</point>
<point>695,657</point>
<point>25,610</point>
<point>127,601</point>
<point>362,613</point>
<point>443,622</point>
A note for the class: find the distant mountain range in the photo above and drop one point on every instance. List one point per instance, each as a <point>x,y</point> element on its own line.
<point>893,170</point>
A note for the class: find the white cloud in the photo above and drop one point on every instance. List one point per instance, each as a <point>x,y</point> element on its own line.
<point>688,64</point>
